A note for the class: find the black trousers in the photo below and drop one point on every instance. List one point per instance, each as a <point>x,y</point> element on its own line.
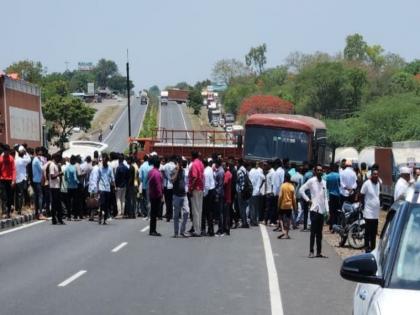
<point>234,210</point>
<point>154,210</point>
<point>20,194</point>
<point>317,222</point>
<point>6,196</point>
<point>168,193</point>
<point>226,217</point>
<point>305,208</point>
<point>208,205</point>
<point>370,234</point>
<point>104,199</point>
<point>73,203</point>
<point>334,205</point>
<point>56,208</point>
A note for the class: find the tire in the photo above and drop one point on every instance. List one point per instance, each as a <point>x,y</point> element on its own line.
<point>357,236</point>
<point>343,240</point>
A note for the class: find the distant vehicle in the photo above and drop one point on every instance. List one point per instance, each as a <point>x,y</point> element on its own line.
<point>143,100</point>
<point>229,118</point>
<point>177,95</point>
<point>214,123</point>
<point>84,148</point>
<point>164,98</point>
<point>76,129</point>
<point>229,129</point>
<point>389,277</point>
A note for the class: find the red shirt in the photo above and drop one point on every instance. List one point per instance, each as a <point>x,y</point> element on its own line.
<point>155,184</point>
<point>7,168</point>
<point>196,176</point>
<point>227,186</point>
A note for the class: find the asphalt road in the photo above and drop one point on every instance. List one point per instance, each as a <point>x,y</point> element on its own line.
<point>172,117</point>
<point>117,138</point>
<point>73,269</point>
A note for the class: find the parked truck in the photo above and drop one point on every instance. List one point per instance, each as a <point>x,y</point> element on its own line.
<point>164,98</point>
<point>176,95</point>
<point>20,112</point>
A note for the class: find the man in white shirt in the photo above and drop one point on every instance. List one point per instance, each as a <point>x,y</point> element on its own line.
<point>21,161</point>
<point>402,184</point>
<point>262,197</point>
<point>54,181</point>
<point>168,186</point>
<point>278,179</point>
<point>257,179</point>
<point>269,195</point>
<point>318,205</point>
<point>369,195</point>
<point>209,199</point>
<point>348,183</point>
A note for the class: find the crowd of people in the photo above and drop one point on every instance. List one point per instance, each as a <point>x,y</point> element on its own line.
<point>210,192</point>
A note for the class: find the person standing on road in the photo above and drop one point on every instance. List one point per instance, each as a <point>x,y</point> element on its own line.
<point>402,184</point>
<point>240,189</point>
<point>270,199</point>
<point>297,179</point>
<point>208,200</point>
<point>348,183</point>
<point>132,188</point>
<point>227,187</point>
<point>105,183</point>
<point>7,180</point>
<point>196,186</point>
<point>318,205</point>
<point>21,162</point>
<point>121,175</point>
<point>143,176</point>
<point>286,205</point>
<point>93,186</point>
<point>36,182</point>
<point>168,169</point>
<point>180,201</point>
<point>278,179</point>
<point>369,195</point>
<point>70,176</point>
<point>333,187</point>
<point>155,194</point>
<point>219,177</point>
<point>257,179</point>
<point>54,181</point>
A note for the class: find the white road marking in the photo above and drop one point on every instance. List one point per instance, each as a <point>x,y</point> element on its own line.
<point>72,278</point>
<point>183,119</point>
<point>21,227</point>
<point>145,228</point>
<point>116,249</point>
<point>273,281</point>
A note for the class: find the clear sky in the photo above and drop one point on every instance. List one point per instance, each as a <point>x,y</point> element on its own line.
<point>180,40</point>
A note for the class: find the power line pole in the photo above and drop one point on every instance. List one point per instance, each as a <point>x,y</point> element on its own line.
<point>128,95</point>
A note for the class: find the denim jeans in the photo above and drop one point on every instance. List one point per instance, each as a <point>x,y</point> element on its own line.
<point>180,204</point>
<point>243,204</point>
<point>253,209</point>
<point>38,198</point>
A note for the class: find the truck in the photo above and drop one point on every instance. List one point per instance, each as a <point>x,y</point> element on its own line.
<point>20,112</point>
<point>177,95</point>
<point>264,137</point>
<point>164,98</point>
<point>144,99</point>
<point>214,117</point>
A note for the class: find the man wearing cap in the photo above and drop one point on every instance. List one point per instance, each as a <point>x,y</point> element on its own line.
<point>348,183</point>
<point>402,184</point>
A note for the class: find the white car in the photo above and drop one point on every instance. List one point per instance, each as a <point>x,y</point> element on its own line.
<point>389,277</point>
<point>84,148</point>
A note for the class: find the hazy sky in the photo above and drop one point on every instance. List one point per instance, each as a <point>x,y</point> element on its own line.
<point>180,40</point>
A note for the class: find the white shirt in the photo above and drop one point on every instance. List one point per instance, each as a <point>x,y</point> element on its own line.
<point>269,181</point>
<point>263,187</point>
<point>20,164</point>
<point>168,169</point>
<point>278,179</point>
<point>400,189</point>
<point>348,180</point>
<point>256,178</point>
<point>372,203</point>
<point>318,190</point>
<point>209,182</point>
<point>54,182</point>
<point>93,180</point>
<point>298,180</point>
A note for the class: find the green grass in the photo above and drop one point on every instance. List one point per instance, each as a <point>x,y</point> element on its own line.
<point>150,120</point>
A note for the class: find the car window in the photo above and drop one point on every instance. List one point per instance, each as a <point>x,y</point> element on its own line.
<point>385,243</point>
<point>406,273</point>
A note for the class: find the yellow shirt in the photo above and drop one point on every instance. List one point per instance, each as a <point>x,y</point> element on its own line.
<point>287,198</point>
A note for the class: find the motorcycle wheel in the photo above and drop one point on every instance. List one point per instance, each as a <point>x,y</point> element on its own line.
<point>357,236</point>
<point>343,240</point>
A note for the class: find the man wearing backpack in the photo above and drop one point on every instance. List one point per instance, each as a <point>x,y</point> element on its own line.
<point>244,190</point>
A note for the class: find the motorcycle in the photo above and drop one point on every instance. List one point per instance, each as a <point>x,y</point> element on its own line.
<point>351,225</point>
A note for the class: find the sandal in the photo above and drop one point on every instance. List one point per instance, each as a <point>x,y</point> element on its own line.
<point>287,237</point>
<point>321,256</point>
<point>280,236</point>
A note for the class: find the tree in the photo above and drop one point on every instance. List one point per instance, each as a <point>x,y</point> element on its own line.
<point>28,70</point>
<point>79,81</point>
<point>202,84</point>
<point>375,56</point>
<point>54,88</point>
<point>119,83</point>
<point>357,80</point>
<point>265,104</point>
<point>65,113</point>
<point>195,100</point>
<point>355,49</point>
<point>104,70</point>
<point>225,70</point>
<point>154,91</point>
<point>402,82</point>
<point>183,86</point>
<point>413,67</point>
<point>256,58</point>
<point>274,77</point>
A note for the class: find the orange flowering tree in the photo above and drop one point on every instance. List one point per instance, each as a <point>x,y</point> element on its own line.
<point>265,104</point>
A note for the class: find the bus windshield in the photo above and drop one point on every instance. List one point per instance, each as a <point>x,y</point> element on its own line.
<point>266,143</point>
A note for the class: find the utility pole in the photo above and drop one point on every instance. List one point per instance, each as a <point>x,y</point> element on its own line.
<point>128,95</point>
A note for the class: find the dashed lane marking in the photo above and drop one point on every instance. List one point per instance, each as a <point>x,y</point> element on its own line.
<point>116,249</point>
<point>72,278</point>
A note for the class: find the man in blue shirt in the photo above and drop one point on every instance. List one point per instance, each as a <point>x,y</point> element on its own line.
<point>143,176</point>
<point>36,182</point>
<point>333,187</point>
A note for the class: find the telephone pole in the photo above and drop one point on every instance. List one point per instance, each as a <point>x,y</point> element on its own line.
<point>128,96</point>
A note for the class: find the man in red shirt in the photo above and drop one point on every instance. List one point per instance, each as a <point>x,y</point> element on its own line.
<point>195,187</point>
<point>7,179</point>
<point>227,186</point>
<point>155,193</point>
